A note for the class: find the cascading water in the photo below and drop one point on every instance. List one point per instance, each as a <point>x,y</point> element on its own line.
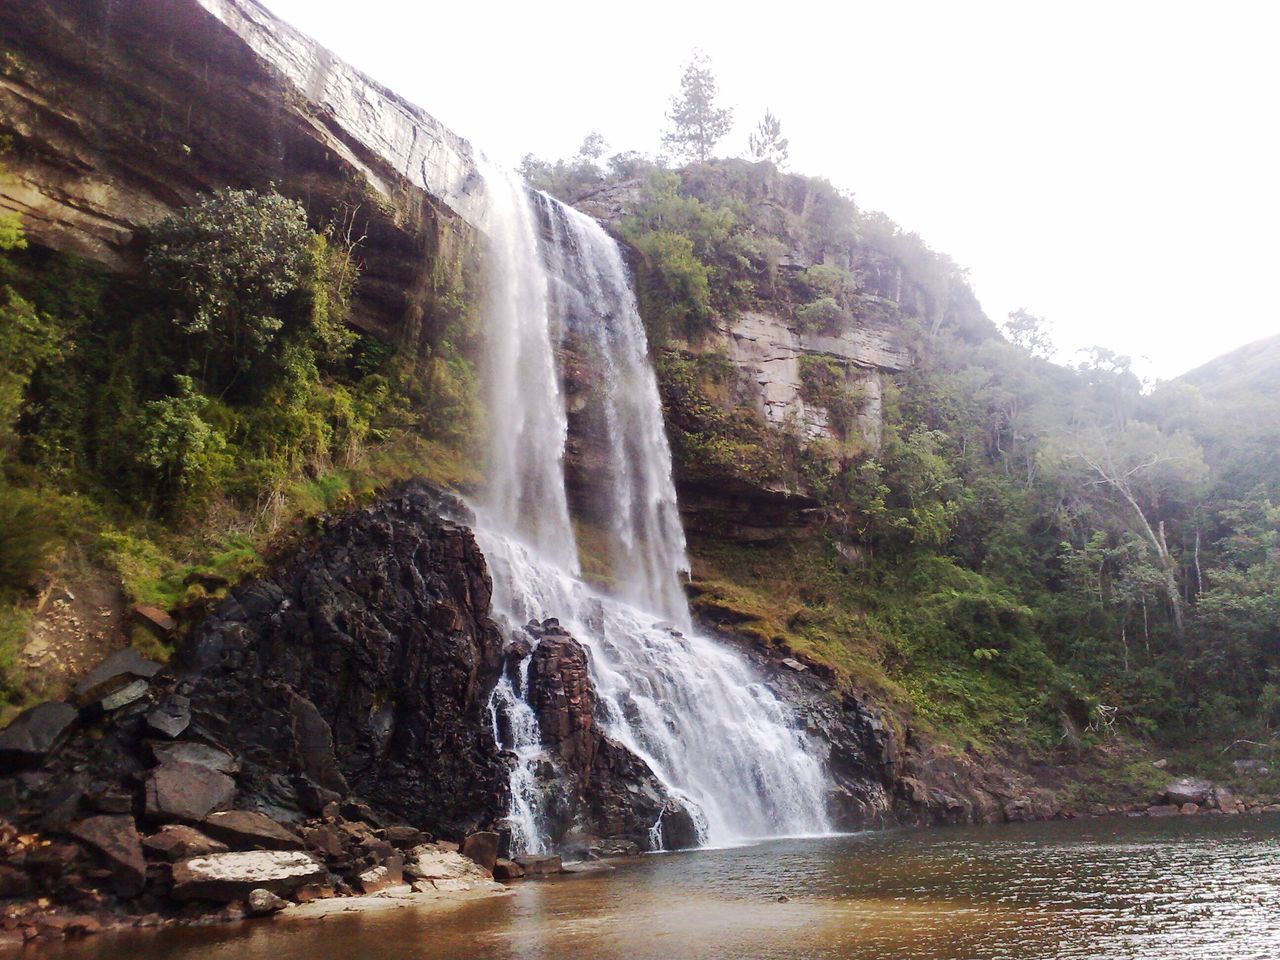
<point>711,731</point>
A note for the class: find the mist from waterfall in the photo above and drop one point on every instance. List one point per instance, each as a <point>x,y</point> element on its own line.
<point>712,732</point>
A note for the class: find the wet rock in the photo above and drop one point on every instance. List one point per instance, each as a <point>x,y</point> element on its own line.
<point>262,902</point>
<point>233,876</point>
<point>35,733</point>
<point>198,753</point>
<point>115,839</point>
<point>539,865</point>
<point>246,830</point>
<point>1188,790</point>
<point>122,669</point>
<point>482,848</point>
<point>507,870</point>
<point>603,789</point>
<point>171,717</point>
<point>187,791</point>
<point>176,841</point>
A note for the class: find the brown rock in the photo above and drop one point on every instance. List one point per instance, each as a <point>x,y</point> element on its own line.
<point>246,830</point>
<point>481,847</point>
<point>1162,810</point>
<point>507,870</point>
<point>539,865</point>
<point>262,902</point>
<point>115,839</point>
<point>154,619</point>
<point>1189,808</point>
<point>178,842</point>
<point>404,836</point>
<point>325,839</point>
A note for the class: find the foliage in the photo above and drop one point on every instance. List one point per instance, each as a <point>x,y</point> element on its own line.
<point>230,261</point>
<point>821,315</point>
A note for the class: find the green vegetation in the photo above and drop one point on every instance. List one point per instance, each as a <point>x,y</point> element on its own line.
<point>167,428</point>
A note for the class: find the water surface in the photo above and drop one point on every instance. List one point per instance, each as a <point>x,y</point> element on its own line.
<point>1198,887</point>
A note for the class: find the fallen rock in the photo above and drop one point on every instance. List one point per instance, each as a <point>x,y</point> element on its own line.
<point>507,870</point>
<point>246,830</point>
<point>1160,764</point>
<point>172,716</point>
<point>539,865</point>
<point>187,791</point>
<point>177,841</point>
<point>201,753</point>
<point>325,839</point>
<point>1163,810</point>
<point>154,619</point>
<point>792,664</point>
<point>482,848</point>
<point>130,693</point>
<point>403,836</point>
<point>1224,800</point>
<point>1189,808</point>
<point>121,669</point>
<point>36,732</point>
<point>379,878</point>
<point>262,902</point>
<point>429,862</point>
<point>1188,790</point>
<point>115,839</point>
<point>233,876</point>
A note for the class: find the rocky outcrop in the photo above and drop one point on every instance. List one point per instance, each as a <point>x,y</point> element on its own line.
<point>603,797</point>
<point>121,111</point>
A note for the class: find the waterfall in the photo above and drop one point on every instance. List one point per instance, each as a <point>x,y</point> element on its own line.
<point>712,732</point>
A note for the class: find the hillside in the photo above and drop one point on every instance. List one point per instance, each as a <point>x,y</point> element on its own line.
<point>1242,375</point>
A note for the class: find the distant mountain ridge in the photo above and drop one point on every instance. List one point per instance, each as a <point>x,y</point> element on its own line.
<point>1252,369</point>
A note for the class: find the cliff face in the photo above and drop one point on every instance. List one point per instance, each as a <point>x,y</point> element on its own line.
<point>121,111</point>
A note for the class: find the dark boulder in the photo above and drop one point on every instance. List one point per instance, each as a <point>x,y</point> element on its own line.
<point>1188,790</point>
<point>199,753</point>
<point>187,791</point>
<point>171,716</point>
<point>120,671</point>
<point>35,733</point>
<point>115,839</point>
<point>176,841</point>
<point>482,848</point>
<point>246,830</point>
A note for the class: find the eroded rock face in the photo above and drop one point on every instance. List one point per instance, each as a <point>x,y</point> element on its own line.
<point>122,111</point>
<point>603,793</point>
<point>365,666</point>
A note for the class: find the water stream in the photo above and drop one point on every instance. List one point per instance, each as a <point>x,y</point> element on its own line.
<point>719,740</point>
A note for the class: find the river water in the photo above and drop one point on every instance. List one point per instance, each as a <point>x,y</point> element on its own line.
<point>1194,887</point>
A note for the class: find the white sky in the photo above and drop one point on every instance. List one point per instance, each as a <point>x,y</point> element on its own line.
<point>1113,166</point>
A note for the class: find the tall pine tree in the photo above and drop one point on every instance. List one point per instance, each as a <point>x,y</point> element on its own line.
<point>697,124</point>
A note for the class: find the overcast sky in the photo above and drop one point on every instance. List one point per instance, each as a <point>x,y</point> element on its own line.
<point>1113,166</point>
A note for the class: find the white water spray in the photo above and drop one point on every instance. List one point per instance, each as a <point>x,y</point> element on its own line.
<point>712,732</point>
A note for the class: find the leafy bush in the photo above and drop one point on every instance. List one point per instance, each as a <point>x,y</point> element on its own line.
<point>821,315</point>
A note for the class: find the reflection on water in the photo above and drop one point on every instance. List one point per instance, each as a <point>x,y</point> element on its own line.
<point>1196,887</point>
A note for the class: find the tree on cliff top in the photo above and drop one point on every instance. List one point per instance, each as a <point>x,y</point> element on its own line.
<point>697,124</point>
<point>767,142</point>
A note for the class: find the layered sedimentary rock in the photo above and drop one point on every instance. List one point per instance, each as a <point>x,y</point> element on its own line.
<point>120,111</point>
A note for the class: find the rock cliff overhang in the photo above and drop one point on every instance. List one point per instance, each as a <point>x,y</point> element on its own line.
<point>117,112</point>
